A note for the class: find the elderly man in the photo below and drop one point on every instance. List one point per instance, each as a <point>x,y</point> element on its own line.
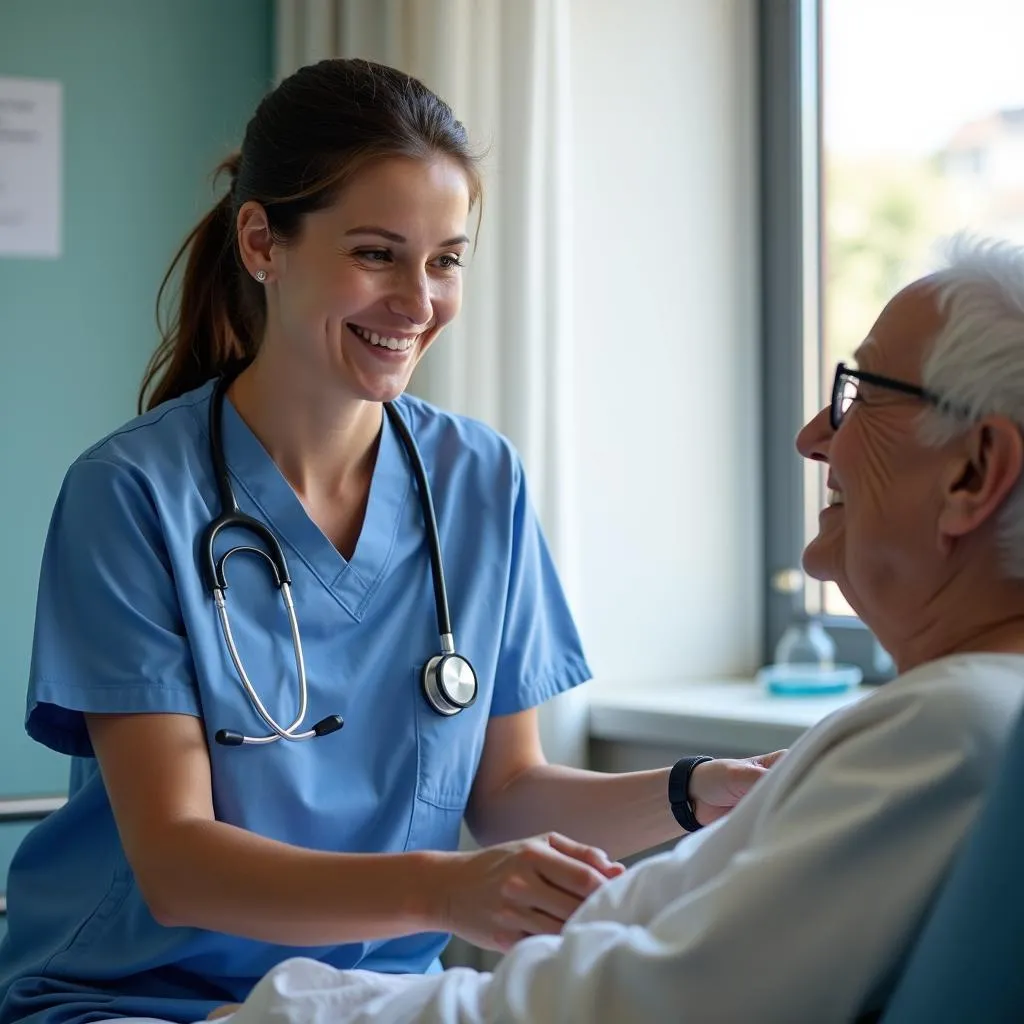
<point>798,906</point>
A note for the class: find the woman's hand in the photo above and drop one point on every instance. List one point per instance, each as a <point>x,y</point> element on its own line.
<point>498,895</point>
<point>717,786</point>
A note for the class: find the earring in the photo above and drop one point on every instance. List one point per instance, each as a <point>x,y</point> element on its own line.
<point>261,276</point>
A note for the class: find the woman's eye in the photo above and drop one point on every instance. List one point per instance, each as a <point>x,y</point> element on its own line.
<point>375,255</point>
<point>450,260</point>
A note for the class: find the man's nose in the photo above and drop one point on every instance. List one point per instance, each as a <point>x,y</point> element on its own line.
<point>814,439</point>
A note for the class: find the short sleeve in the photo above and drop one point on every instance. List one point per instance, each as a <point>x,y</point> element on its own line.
<point>109,635</point>
<point>541,654</point>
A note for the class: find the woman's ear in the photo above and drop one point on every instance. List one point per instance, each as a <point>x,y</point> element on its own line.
<point>255,240</point>
<point>987,465</point>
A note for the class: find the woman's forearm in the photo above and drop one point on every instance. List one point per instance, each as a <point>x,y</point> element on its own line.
<point>217,877</point>
<point>622,813</point>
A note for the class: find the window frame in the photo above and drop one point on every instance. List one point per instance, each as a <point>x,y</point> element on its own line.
<point>790,118</point>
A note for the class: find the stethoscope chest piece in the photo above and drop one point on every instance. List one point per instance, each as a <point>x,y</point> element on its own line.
<point>449,683</point>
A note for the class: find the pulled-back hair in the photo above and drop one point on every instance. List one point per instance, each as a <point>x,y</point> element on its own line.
<point>306,139</point>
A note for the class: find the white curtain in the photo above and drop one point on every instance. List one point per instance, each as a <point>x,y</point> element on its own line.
<point>503,65</point>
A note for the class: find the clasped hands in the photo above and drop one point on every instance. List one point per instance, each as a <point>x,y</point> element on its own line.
<point>500,894</point>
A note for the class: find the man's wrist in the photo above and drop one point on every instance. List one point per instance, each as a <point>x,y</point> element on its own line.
<point>679,791</point>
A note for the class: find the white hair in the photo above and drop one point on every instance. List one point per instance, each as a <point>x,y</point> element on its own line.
<point>976,360</point>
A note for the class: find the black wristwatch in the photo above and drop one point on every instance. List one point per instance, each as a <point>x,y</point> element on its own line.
<point>679,791</point>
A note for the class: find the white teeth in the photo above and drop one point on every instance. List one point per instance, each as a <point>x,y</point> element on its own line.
<point>835,497</point>
<point>394,344</point>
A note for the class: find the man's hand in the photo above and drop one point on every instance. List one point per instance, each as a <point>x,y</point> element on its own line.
<point>717,786</point>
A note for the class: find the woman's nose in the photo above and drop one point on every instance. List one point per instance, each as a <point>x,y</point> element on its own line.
<point>412,299</point>
<point>814,439</point>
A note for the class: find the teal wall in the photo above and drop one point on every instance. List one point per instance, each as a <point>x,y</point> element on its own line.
<point>155,93</point>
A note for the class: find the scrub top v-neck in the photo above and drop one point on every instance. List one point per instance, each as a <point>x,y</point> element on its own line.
<point>124,624</point>
<point>353,583</point>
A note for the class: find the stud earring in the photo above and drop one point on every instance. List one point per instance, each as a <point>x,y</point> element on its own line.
<point>261,276</point>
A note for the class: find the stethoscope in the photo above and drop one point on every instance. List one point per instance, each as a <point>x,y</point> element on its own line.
<point>447,680</point>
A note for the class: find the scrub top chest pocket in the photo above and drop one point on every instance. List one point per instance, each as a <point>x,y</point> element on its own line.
<point>448,753</point>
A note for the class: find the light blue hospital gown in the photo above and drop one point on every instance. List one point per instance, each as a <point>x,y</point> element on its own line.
<point>124,624</point>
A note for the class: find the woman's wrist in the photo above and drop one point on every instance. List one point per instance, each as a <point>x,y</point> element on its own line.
<point>432,873</point>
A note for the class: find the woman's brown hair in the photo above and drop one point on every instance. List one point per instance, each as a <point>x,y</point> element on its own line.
<point>307,137</point>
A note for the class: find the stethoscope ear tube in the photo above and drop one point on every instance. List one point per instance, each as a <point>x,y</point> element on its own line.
<point>214,568</point>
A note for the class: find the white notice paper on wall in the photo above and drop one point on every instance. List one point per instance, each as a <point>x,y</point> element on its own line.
<point>30,167</point>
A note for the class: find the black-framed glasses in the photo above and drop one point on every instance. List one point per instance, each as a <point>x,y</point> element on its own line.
<point>847,383</point>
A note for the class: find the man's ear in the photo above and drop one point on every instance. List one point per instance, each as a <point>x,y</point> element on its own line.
<point>988,464</point>
<point>255,239</point>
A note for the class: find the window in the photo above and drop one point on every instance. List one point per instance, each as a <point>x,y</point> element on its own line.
<point>888,125</point>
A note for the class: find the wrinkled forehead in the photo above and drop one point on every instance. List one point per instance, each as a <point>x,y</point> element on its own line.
<point>899,340</point>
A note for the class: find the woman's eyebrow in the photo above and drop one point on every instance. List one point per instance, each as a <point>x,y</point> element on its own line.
<point>393,236</point>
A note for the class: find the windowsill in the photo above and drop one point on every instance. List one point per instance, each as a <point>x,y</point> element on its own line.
<point>730,714</point>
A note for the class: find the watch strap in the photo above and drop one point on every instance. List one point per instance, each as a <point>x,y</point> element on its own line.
<point>679,791</point>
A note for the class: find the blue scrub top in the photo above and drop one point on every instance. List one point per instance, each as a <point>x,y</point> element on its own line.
<point>124,624</point>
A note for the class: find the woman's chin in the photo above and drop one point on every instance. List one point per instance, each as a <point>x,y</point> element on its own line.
<point>380,381</point>
<point>378,387</point>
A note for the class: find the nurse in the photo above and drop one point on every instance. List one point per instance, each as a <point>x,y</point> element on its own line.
<point>184,867</point>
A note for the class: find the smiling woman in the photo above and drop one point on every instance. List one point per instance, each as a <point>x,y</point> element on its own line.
<point>355,304</point>
<point>282,213</point>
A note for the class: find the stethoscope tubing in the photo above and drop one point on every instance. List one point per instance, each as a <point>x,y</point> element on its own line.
<point>213,570</point>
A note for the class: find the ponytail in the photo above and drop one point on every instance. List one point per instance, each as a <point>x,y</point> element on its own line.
<point>211,324</point>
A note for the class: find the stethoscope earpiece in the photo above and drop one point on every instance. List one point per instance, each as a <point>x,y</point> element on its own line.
<point>449,682</point>
<point>230,738</point>
<point>332,723</point>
